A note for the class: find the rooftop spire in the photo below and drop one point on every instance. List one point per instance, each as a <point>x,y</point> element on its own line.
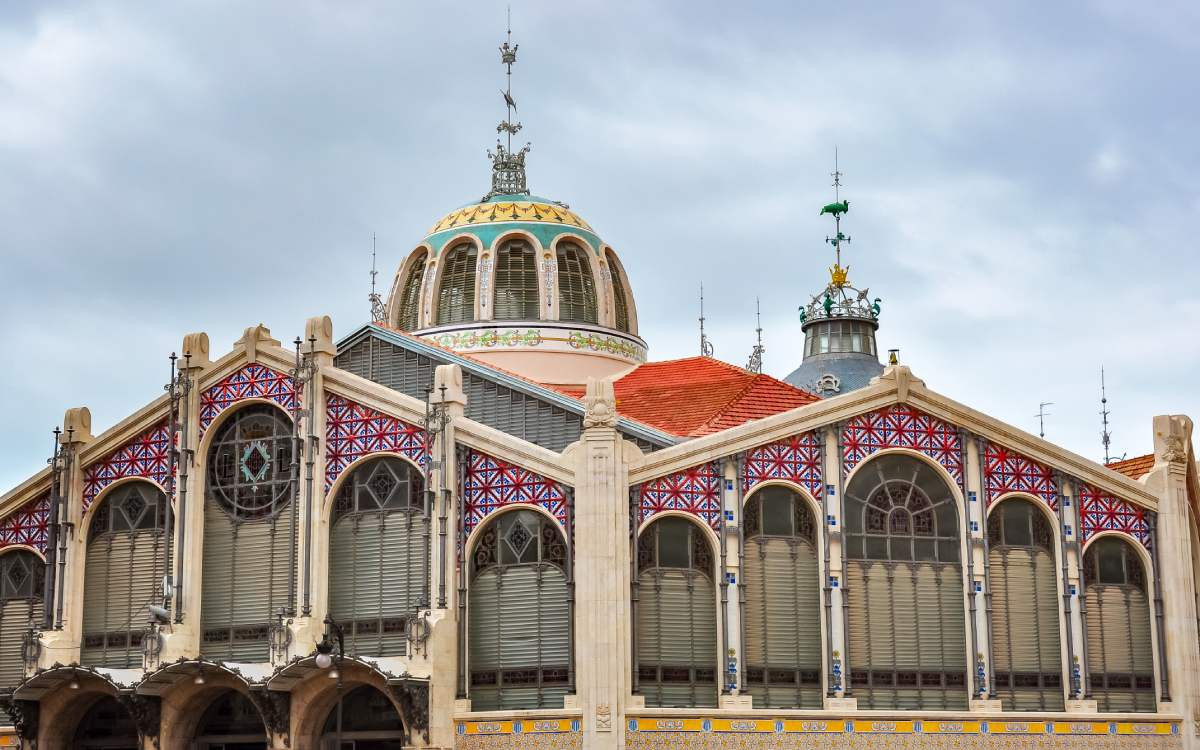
<point>508,167</point>
<point>378,315</point>
<point>706,347</point>
<point>837,208</point>
<point>755,364</point>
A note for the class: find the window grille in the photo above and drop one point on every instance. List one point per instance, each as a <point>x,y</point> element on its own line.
<point>369,720</point>
<point>904,584</point>
<point>456,295</point>
<point>22,576</point>
<point>123,573</point>
<point>620,303</point>
<point>410,298</point>
<point>517,614</point>
<point>576,287</point>
<point>676,626</point>
<point>1120,661</point>
<point>516,282</point>
<point>378,561</point>
<point>248,538</point>
<point>106,725</point>
<point>1026,648</point>
<point>782,652</point>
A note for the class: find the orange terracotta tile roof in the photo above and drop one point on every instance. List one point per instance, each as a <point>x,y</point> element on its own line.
<point>699,395</point>
<point>1134,468</point>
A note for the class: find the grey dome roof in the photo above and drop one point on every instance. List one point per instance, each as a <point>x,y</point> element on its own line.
<point>852,371</point>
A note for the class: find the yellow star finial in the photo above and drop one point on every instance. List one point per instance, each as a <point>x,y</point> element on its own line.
<point>839,275</point>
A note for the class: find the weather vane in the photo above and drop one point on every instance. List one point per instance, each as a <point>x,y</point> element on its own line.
<point>837,208</point>
<point>508,167</point>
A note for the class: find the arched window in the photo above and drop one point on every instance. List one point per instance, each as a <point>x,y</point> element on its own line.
<point>516,282</point>
<point>904,582</point>
<point>517,614</point>
<point>620,303</point>
<point>249,534</point>
<point>366,720</point>
<point>1026,649</point>
<point>1120,660</point>
<point>378,559</point>
<point>123,574</point>
<point>576,287</point>
<point>107,725</point>
<point>676,625</point>
<point>410,296</point>
<point>22,575</point>
<point>456,296</point>
<point>782,651</point>
<point>231,721</point>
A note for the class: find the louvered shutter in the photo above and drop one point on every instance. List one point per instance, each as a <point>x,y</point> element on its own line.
<point>246,579</point>
<point>1025,630</point>
<point>14,620</point>
<point>677,631</point>
<point>123,574</point>
<point>483,617</point>
<point>1118,621</point>
<point>1049,636</point>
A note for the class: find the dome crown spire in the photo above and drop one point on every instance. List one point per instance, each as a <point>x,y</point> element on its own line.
<point>508,166</point>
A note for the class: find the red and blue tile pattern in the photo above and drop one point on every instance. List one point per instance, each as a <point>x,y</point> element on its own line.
<point>353,431</point>
<point>147,455</point>
<point>696,490</point>
<point>1101,512</point>
<point>902,426</point>
<point>252,381</point>
<point>1007,471</point>
<point>27,525</point>
<point>796,459</point>
<point>491,483</point>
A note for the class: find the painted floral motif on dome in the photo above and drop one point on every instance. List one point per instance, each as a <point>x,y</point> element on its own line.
<point>796,459</point>
<point>491,483</point>
<point>491,213</point>
<point>902,426</point>
<point>511,338</point>
<point>1006,471</point>
<point>1102,512</point>
<point>696,490</point>
<point>252,381</point>
<point>147,455</point>
<point>353,430</point>
<point>27,525</point>
<point>599,343</point>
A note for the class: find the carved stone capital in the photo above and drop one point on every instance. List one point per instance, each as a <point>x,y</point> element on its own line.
<point>601,404</point>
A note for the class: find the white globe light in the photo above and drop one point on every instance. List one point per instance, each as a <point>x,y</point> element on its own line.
<point>324,661</point>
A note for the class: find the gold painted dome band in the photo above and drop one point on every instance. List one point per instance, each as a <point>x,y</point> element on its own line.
<point>489,213</point>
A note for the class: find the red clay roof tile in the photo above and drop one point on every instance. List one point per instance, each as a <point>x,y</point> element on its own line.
<point>1134,468</point>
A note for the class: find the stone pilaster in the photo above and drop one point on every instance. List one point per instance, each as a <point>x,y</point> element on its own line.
<point>602,612</point>
<point>835,637</point>
<point>975,510</point>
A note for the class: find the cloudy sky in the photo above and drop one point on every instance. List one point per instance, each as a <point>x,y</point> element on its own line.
<point>1025,182</point>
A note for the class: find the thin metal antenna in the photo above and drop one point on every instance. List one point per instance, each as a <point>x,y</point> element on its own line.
<point>1041,415</point>
<point>1105,435</point>
<point>755,364</point>
<point>378,314</point>
<point>706,348</point>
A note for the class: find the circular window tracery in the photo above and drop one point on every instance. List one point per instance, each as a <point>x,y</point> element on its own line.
<point>249,467</point>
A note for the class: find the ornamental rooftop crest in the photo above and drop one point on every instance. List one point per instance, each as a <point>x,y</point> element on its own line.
<point>508,166</point>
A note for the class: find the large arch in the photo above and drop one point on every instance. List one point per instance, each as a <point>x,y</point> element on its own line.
<point>106,725</point>
<point>782,649</point>
<point>122,572</point>
<point>906,617</point>
<point>518,625</point>
<point>229,720</point>
<point>366,716</point>
<point>249,532</point>
<point>675,613</point>
<point>1120,638</point>
<point>22,572</point>
<point>378,568</point>
<point>1026,622</point>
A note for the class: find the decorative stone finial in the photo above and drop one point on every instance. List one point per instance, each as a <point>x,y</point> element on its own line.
<point>319,331</point>
<point>600,401</point>
<point>195,351</point>
<point>77,426</point>
<point>254,338</point>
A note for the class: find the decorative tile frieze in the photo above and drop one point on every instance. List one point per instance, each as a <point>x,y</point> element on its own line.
<point>1102,512</point>
<point>696,490</point>
<point>491,483</point>
<point>1006,471</point>
<point>27,525</point>
<point>147,455</point>
<point>796,459</point>
<point>902,426</point>
<point>353,430</point>
<point>252,381</point>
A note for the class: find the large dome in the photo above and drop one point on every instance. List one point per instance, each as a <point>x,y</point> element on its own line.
<point>524,283</point>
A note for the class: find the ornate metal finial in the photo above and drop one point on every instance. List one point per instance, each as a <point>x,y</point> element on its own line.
<point>378,314</point>
<point>837,208</point>
<point>706,347</point>
<point>508,166</point>
<point>1105,435</point>
<point>755,364</point>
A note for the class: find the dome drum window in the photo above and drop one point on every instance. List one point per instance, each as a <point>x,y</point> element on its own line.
<point>410,297</point>
<point>516,282</point>
<point>838,337</point>
<point>456,293</point>
<point>576,286</point>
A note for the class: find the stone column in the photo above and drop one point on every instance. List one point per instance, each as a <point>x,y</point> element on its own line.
<point>975,509</point>
<point>602,612</point>
<point>442,647</point>
<point>835,638</point>
<point>1169,480</point>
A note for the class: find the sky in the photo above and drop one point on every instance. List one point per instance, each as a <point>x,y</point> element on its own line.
<point>1024,181</point>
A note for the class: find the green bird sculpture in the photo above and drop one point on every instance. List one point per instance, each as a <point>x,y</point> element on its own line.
<point>835,208</point>
<point>875,308</point>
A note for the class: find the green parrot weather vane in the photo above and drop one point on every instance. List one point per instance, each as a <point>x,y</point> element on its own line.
<point>836,301</point>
